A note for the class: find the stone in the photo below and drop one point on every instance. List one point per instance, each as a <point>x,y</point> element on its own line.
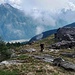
<point>68,65</point>
<point>57,61</point>
<point>65,33</point>
<point>51,50</point>
<point>23,51</point>
<point>28,50</point>
<point>65,64</point>
<point>13,53</point>
<point>31,50</point>
<point>46,58</point>
<point>63,45</point>
<point>71,55</point>
<point>65,38</point>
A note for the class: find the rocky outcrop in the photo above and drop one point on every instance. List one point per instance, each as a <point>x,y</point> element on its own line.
<point>65,38</point>
<point>65,64</point>
<point>46,58</point>
<point>65,33</point>
<point>71,55</point>
<point>42,35</point>
<point>63,45</point>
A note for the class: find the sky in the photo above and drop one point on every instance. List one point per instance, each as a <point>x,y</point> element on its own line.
<point>48,5</point>
<point>52,6</point>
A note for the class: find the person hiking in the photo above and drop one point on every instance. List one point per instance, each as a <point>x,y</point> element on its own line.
<point>42,47</point>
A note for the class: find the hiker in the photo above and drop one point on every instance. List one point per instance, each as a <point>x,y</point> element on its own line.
<point>42,47</point>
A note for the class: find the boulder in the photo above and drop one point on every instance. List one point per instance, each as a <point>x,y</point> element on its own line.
<point>23,51</point>
<point>63,45</point>
<point>28,50</point>
<point>57,61</point>
<point>65,64</point>
<point>65,38</point>
<point>13,53</point>
<point>71,55</point>
<point>65,33</point>
<point>46,58</point>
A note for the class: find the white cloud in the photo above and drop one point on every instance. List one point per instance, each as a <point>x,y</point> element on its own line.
<point>15,3</point>
<point>39,36</point>
<point>53,4</point>
<point>49,5</point>
<point>2,1</point>
<point>39,29</point>
<point>14,31</point>
<point>72,6</point>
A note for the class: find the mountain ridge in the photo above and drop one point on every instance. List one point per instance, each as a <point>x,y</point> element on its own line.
<point>48,33</point>
<point>14,24</point>
<point>17,25</point>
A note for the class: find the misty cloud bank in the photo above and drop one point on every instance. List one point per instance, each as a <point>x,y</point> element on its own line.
<point>48,14</point>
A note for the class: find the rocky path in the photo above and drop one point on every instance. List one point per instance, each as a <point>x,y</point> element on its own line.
<point>46,58</point>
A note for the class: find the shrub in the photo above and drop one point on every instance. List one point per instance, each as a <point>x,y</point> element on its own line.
<point>4,52</point>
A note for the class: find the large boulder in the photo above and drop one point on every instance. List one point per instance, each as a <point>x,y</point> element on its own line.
<point>63,45</point>
<point>65,64</point>
<point>65,38</point>
<point>65,33</point>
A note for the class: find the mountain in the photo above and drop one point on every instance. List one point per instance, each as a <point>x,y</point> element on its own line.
<point>70,25</point>
<point>43,35</point>
<point>17,25</point>
<point>48,33</point>
<point>14,24</point>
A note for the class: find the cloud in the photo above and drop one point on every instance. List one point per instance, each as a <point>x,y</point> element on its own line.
<point>14,31</point>
<point>39,29</point>
<point>2,1</point>
<point>53,4</point>
<point>47,5</point>
<point>46,12</point>
<point>39,36</point>
<point>15,3</point>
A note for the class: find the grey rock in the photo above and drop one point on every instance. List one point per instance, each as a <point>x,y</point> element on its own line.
<point>46,58</point>
<point>65,64</point>
<point>71,55</point>
<point>68,65</point>
<point>13,55</point>
<point>12,52</point>
<point>65,33</point>
<point>28,50</point>
<point>31,50</point>
<point>65,38</point>
<point>63,45</point>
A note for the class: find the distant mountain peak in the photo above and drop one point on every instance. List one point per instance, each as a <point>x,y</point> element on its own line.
<point>6,5</point>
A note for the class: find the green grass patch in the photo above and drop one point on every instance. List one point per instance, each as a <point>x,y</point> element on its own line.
<point>22,57</point>
<point>6,72</point>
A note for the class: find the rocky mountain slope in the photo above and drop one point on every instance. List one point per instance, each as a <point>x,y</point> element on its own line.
<point>50,32</point>
<point>14,24</point>
<point>43,35</point>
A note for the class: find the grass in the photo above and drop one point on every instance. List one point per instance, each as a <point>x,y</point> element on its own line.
<point>6,72</point>
<point>36,45</point>
<point>32,66</point>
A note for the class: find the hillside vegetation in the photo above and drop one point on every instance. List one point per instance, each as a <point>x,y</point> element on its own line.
<point>32,66</point>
